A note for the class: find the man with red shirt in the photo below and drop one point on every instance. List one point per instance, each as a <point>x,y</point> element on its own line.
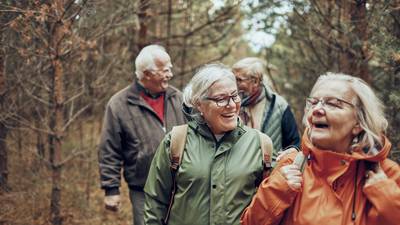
<point>136,119</point>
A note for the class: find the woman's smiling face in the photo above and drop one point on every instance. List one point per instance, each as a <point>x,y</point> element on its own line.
<point>221,119</point>
<point>331,115</point>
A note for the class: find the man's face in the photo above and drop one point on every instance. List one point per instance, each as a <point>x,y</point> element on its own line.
<point>247,84</point>
<point>156,80</point>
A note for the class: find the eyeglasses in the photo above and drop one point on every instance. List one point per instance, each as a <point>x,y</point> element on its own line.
<point>223,102</point>
<point>162,71</point>
<point>327,102</point>
<point>240,80</point>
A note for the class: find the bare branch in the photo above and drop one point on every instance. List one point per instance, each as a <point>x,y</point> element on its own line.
<point>71,119</point>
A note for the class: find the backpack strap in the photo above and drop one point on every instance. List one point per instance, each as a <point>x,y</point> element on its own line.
<point>177,145</point>
<point>301,161</point>
<point>178,140</point>
<point>266,148</point>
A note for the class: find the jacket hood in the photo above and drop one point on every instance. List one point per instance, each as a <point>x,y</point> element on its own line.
<point>357,154</point>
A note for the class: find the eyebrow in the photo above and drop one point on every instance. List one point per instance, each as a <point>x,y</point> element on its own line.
<point>224,95</point>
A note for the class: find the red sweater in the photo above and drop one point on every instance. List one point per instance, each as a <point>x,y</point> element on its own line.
<point>157,104</point>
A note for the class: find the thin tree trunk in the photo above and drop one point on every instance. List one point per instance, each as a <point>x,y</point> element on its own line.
<point>345,56</point>
<point>184,46</point>
<point>169,20</point>
<point>89,161</point>
<point>55,160</point>
<point>142,39</point>
<point>3,130</point>
<point>3,159</point>
<point>360,23</point>
<point>355,51</point>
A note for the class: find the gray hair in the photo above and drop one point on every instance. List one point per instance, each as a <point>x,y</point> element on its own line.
<point>370,110</point>
<point>251,66</point>
<point>201,82</point>
<point>145,59</point>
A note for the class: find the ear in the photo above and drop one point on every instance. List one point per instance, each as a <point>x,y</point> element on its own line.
<point>199,106</point>
<point>256,80</point>
<point>356,129</point>
<point>146,75</point>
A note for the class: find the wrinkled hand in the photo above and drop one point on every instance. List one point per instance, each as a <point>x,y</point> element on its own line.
<point>281,154</point>
<point>373,177</point>
<point>112,202</point>
<point>292,175</point>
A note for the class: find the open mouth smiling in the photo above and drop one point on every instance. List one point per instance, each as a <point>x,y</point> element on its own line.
<point>228,115</point>
<point>320,125</point>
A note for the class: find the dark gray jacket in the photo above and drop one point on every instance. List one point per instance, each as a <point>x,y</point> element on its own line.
<point>131,134</point>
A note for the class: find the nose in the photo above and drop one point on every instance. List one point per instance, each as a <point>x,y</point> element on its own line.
<point>169,74</point>
<point>318,109</point>
<point>240,85</point>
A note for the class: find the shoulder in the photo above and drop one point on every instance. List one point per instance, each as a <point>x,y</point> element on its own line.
<point>265,140</point>
<point>118,98</point>
<point>173,91</point>
<point>280,102</point>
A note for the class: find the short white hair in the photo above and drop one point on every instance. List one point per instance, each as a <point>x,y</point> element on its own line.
<point>250,66</point>
<point>201,82</point>
<point>145,59</point>
<point>370,110</point>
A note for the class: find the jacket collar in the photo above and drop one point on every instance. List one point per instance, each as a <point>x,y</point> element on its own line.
<point>268,92</point>
<point>204,130</point>
<point>357,154</point>
<point>134,90</point>
<point>332,164</point>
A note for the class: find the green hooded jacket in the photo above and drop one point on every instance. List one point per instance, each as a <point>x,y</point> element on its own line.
<point>215,181</point>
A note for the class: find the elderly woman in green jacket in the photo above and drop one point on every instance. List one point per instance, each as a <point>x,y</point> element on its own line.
<point>222,163</point>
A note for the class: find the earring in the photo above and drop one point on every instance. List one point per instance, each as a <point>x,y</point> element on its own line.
<point>355,140</point>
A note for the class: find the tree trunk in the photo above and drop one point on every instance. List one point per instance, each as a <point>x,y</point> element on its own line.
<point>187,26</point>
<point>169,20</point>
<point>360,23</point>
<point>3,130</point>
<point>3,159</point>
<point>90,161</point>
<point>142,39</point>
<point>355,51</point>
<point>57,130</point>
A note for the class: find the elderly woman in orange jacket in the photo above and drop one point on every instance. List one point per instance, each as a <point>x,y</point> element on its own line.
<point>347,178</point>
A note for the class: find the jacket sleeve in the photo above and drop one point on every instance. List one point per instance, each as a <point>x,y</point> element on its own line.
<point>290,134</point>
<point>158,185</point>
<point>109,155</point>
<point>385,196</point>
<point>273,197</point>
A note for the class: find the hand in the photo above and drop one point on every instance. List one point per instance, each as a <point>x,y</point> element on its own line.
<point>373,177</point>
<point>112,202</point>
<point>281,153</point>
<point>292,175</point>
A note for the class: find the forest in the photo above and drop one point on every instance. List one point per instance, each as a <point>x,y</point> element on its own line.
<point>61,60</point>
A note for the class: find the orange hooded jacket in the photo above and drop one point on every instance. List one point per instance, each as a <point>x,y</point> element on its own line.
<point>329,195</point>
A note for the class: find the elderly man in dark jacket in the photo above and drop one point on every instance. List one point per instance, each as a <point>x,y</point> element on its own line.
<point>136,119</point>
